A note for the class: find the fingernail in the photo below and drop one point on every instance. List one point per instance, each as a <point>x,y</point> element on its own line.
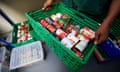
<point>95,43</point>
<point>43,8</point>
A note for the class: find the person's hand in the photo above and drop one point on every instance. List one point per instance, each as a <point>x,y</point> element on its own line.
<point>101,34</point>
<point>47,5</point>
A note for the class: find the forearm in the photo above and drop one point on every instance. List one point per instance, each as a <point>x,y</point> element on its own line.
<point>112,13</point>
<point>50,1</point>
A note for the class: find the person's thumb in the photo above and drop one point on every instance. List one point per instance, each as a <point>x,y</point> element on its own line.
<point>44,6</point>
<point>96,40</point>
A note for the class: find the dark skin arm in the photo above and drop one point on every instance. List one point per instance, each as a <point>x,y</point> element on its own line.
<point>102,32</point>
<point>47,5</point>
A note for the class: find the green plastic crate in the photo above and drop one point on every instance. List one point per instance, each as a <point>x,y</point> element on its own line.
<point>73,62</point>
<point>115,27</point>
<point>14,36</point>
<point>34,35</point>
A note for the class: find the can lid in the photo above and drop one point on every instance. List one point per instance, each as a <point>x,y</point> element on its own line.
<point>59,15</point>
<point>59,31</point>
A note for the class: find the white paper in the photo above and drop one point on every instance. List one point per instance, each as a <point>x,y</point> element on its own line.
<point>26,54</point>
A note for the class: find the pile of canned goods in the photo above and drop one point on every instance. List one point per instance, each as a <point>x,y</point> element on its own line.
<point>69,33</point>
<point>22,33</point>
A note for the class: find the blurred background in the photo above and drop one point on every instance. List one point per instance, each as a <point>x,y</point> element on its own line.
<point>16,10</point>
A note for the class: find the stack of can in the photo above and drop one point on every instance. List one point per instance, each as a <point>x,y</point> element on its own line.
<point>70,34</point>
<point>22,33</point>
